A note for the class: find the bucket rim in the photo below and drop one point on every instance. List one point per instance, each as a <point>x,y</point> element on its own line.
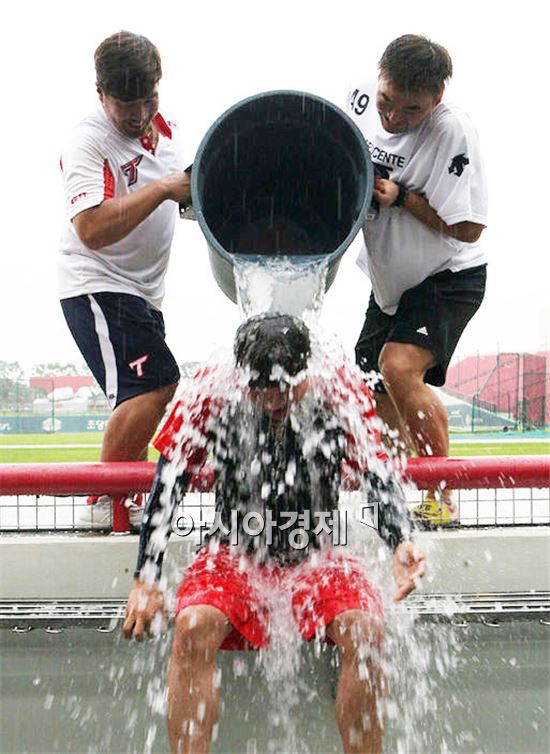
<point>270,94</point>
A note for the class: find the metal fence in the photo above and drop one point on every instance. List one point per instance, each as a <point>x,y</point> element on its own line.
<point>478,508</point>
<point>490,491</point>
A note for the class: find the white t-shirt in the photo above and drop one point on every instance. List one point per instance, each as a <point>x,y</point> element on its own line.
<point>439,159</point>
<point>98,163</point>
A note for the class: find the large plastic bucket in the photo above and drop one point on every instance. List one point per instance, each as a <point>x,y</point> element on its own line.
<point>280,174</point>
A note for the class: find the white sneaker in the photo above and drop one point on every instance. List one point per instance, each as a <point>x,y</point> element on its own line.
<point>98,516</point>
<point>135,510</point>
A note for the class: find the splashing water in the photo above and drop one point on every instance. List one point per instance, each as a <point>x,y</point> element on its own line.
<point>276,286</point>
<point>416,658</point>
<point>280,665</point>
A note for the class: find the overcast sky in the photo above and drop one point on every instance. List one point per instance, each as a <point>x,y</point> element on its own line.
<point>215,54</point>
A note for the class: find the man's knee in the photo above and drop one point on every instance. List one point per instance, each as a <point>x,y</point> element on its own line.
<point>199,631</point>
<point>404,363</point>
<point>357,632</point>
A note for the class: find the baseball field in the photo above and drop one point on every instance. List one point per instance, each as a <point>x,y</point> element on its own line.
<point>85,447</point>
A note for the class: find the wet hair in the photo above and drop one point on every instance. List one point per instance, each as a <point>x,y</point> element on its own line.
<point>415,64</point>
<point>127,66</point>
<point>272,340</point>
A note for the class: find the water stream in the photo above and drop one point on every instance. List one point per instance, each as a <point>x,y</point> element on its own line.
<point>413,664</point>
<point>280,699</point>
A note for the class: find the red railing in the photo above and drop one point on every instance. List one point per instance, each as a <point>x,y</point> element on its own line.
<point>118,479</point>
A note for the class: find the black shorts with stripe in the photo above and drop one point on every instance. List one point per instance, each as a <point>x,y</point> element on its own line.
<point>432,315</point>
<point>122,339</point>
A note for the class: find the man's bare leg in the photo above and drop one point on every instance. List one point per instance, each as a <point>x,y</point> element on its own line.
<point>403,367</point>
<point>386,410</point>
<point>361,693</point>
<point>193,686</point>
<point>133,423</point>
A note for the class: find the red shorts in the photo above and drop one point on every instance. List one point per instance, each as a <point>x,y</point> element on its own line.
<point>320,588</point>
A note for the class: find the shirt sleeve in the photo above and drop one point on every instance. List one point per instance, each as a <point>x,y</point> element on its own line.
<point>385,494</point>
<point>186,434</point>
<point>457,187</point>
<point>350,389</point>
<point>87,175</point>
<point>156,524</point>
<point>387,498</point>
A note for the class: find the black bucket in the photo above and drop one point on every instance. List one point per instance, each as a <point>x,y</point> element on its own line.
<point>280,174</point>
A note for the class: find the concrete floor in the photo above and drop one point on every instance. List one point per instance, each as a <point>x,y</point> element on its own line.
<point>84,691</point>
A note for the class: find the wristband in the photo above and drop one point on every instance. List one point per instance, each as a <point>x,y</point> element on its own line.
<point>401,196</point>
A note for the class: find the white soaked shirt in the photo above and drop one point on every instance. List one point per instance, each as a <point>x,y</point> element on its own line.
<point>98,163</point>
<point>439,159</point>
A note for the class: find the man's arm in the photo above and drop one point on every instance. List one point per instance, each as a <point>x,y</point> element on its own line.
<point>115,218</point>
<point>387,193</point>
<point>395,528</point>
<point>146,601</point>
<point>158,513</point>
<point>394,523</point>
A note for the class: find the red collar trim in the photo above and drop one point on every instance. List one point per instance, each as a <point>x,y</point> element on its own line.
<point>162,125</point>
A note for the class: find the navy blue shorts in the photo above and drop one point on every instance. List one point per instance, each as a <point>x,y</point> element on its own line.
<point>121,338</point>
<point>432,315</point>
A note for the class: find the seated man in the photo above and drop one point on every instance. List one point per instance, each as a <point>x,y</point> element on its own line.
<point>278,438</point>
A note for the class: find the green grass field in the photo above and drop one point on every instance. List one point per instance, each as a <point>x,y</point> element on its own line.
<point>54,448</point>
<point>68,438</point>
<point>86,446</point>
<point>489,448</point>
